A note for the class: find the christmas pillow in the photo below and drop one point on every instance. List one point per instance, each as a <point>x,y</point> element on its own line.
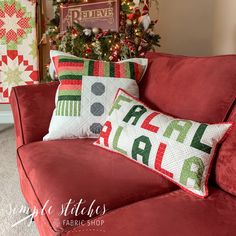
<point>180,150</point>
<point>86,92</point>
<point>52,66</point>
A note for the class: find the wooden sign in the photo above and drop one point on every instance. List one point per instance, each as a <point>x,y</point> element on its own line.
<point>103,14</point>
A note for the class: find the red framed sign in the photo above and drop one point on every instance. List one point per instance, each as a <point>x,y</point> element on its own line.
<point>103,14</point>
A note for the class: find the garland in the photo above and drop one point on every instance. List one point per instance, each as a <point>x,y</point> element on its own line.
<point>135,37</point>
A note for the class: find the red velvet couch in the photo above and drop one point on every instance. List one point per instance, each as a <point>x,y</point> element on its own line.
<point>140,201</point>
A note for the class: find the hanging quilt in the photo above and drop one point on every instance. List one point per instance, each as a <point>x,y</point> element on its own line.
<point>18,46</point>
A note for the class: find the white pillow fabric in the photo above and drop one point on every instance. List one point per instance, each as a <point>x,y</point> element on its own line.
<point>180,150</point>
<point>86,92</point>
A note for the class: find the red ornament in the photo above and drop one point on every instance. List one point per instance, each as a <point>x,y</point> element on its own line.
<point>137,12</point>
<point>105,33</point>
<point>74,32</point>
<point>88,50</point>
<point>102,34</point>
<point>131,16</point>
<point>145,10</point>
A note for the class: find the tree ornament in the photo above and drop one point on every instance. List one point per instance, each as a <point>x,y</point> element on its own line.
<point>131,16</point>
<point>95,30</point>
<point>145,21</point>
<point>137,12</point>
<point>88,50</point>
<point>74,32</point>
<point>145,10</point>
<point>87,32</point>
<point>138,33</point>
<point>129,22</point>
<point>150,32</point>
<point>137,40</point>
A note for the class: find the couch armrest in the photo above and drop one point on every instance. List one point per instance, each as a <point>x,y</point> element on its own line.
<point>32,108</point>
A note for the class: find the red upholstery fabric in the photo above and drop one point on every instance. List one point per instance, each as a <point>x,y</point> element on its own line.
<point>41,220</point>
<point>175,213</point>
<point>225,171</point>
<point>76,169</point>
<point>201,89</point>
<point>32,108</point>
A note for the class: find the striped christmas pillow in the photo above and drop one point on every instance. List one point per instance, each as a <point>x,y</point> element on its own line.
<point>86,92</point>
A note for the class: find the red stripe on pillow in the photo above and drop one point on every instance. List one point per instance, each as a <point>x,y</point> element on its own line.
<point>117,70</point>
<point>66,82</point>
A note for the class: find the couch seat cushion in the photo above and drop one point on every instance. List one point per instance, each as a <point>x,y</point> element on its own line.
<point>76,169</point>
<point>175,213</point>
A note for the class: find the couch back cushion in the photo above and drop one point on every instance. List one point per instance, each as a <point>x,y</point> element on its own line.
<point>196,88</point>
<point>225,168</point>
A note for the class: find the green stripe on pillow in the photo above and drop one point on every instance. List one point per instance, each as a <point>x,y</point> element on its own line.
<point>112,70</point>
<point>70,77</point>
<point>86,68</point>
<point>127,70</point>
<point>90,68</point>
<point>68,108</point>
<point>69,59</point>
<point>68,72</point>
<point>132,71</point>
<point>106,69</point>
<point>69,98</point>
<point>69,92</point>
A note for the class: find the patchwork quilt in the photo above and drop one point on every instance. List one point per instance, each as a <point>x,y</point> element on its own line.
<point>18,46</point>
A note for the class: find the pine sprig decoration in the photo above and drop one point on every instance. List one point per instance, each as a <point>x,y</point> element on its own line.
<point>136,34</point>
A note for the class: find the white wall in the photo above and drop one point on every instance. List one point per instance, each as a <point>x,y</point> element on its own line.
<point>224,30</point>
<point>5,114</point>
<point>185,26</point>
<point>197,27</point>
<point>4,107</point>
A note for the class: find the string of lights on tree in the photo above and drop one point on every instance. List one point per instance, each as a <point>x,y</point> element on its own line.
<point>136,34</point>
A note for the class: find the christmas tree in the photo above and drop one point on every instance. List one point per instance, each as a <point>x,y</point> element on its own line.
<point>135,37</point>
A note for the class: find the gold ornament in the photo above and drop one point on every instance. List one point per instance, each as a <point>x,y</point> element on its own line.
<point>95,30</point>
<point>129,22</point>
<point>138,33</point>
<point>137,40</point>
